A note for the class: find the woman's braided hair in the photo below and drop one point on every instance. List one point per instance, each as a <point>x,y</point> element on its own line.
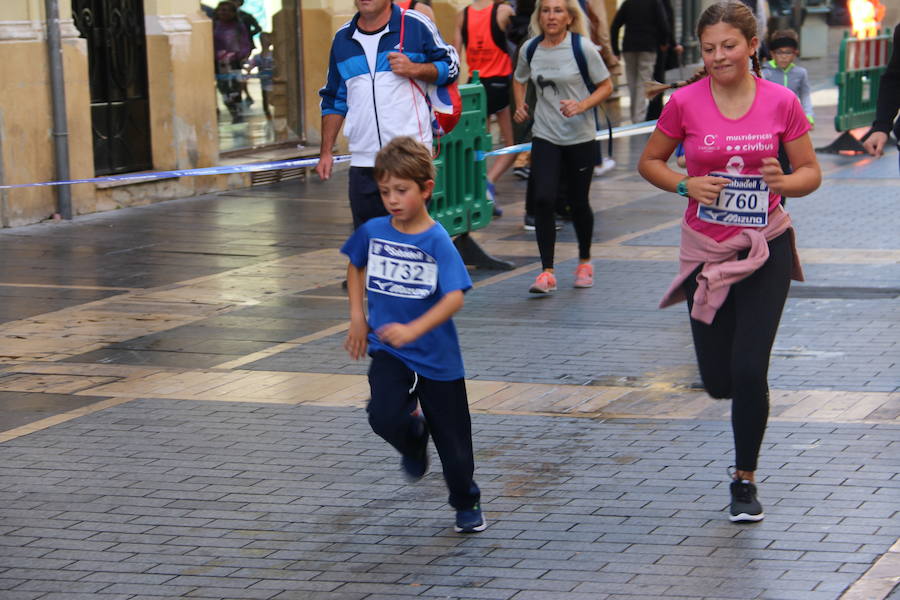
<point>731,12</point>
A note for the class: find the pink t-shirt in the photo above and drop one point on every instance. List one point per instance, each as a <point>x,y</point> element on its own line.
<point>713,142</point>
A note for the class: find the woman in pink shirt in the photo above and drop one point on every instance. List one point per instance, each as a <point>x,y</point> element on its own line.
<point>737,252</point>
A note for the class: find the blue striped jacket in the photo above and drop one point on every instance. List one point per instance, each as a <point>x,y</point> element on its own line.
<point>380,106</point>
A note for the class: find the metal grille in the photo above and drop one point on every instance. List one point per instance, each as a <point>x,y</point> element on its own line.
<point>266,177</point>
<point>117,58</point>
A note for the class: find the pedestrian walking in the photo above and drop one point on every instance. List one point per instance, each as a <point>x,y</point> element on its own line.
<point>668,58</point>
<point>561,62</point>
<point>646,32</point>
<point>737,243</point>
<point>518,33</point>
<point>599,30</point>
<point>888,103</point>
<point>231,43</point>
<point>782,68</point>
<point>480,31</point>
<point>368,91</point>
<point>253,29</point>
<point>264,63</point>
<point>415,281</point>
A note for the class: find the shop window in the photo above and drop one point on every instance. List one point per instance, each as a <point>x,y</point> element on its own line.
<point>257,78</point>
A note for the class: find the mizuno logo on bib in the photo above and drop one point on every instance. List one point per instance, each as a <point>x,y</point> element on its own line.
<point>743,202</point>
<point>400,270</point>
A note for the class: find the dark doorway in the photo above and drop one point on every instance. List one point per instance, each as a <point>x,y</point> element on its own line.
<point>117,57</point>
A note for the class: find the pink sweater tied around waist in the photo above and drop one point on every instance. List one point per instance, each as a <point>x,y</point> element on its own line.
<point>721,268</point>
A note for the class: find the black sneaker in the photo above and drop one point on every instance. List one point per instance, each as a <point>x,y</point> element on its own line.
<point>522,172</point>
<point>744,505</point>
<point>416,465</point>
<point>529,223</point>
<point>470,521</point>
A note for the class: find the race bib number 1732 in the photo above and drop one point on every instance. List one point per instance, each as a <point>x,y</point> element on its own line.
<point>400,270</point>
<point>743,202</point>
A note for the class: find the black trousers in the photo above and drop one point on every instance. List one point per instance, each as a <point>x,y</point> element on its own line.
<point>733,351</point>
<point>785,165</point>
<point>446,409</point>
<point>655,105</point>
<point>551,165</point>
<point>365,199</point>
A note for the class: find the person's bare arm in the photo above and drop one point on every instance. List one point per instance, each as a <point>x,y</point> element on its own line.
<point>875,143</point>
<point>600,32</point>
<point>505,13</point>
<point>807,175</point>
<point>356,341</point>
<point>458,32</point>
<point>521,114</point>
<point>331,125</point>
<point>425,10</point>
<point>653,166</point>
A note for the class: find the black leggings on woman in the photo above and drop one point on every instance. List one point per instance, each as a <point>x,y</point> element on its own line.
<point>550,165</point>
<point>733,352</point>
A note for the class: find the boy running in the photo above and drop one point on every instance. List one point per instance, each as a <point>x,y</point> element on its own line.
<point>415,281</point>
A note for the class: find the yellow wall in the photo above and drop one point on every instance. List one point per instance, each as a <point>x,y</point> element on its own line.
<point>184,131</point>
<point>26,113</point>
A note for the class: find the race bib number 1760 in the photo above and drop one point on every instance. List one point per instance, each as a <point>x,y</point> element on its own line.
<point>400,270</point>
<point>743,202</point>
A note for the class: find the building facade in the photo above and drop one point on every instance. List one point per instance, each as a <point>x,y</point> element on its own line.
<point>144,92</point>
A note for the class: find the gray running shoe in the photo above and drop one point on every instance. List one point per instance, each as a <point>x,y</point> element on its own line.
<point>745,507</point>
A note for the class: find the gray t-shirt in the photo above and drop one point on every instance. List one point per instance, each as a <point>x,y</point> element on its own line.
<point>556,77</point>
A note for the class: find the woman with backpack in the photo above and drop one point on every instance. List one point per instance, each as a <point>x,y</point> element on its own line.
<point>564,132</point>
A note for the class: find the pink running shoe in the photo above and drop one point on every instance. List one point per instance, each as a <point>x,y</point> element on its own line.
<point>544,283</point>
<point>584,276</point>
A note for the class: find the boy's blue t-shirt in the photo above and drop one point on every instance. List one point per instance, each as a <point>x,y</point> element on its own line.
<point>407,274</point>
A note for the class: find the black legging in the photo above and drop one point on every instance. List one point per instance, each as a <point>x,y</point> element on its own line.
<point>550,165</point>
<point>733,352</point>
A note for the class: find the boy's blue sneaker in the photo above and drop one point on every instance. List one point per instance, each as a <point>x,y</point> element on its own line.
<point>470,521</point>
<point>415,466</point>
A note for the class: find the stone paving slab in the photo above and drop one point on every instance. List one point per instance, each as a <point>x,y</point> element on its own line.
<point>883,168</point>
<point>160,498</point>
<point>589,337</point>
<point>659,401</point>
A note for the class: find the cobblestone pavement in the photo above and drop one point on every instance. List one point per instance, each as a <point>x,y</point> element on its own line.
<point>161,498</point>
<point>178,419</point>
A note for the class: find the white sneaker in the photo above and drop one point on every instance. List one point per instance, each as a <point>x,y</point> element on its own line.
<point>604,168</point>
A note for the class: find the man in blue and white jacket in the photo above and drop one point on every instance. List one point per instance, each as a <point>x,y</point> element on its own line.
<point>368,91</point>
